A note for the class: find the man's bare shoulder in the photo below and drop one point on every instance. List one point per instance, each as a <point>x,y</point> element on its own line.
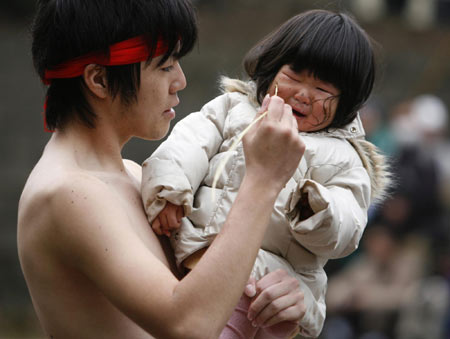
<point>62,197</point>
<point>55,211</point>
<point>45,186</point>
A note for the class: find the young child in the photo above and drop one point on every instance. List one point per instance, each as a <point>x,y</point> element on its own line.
<point>322,64</point>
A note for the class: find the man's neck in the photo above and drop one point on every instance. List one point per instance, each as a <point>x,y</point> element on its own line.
<point>96,149</point>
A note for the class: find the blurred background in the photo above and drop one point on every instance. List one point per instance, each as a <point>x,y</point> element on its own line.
<point>396,285</point>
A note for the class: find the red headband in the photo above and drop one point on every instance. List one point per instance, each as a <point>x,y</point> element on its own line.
<point>122,53</point>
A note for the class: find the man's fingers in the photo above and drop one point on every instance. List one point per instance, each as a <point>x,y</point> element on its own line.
<point>281,329</point>
<point>286,307</point>
<point>295,122</point>
<point>270,279</point>
<point>271,287</point>
<point>288,117</point>
<point>250,288</point>
<point>290,114</point>
<point>266,297</point>
<point>265,104</point>
<point>275,108</point>
<point>292,314</point>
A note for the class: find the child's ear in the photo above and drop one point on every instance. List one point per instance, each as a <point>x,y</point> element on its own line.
<point>94,77</point>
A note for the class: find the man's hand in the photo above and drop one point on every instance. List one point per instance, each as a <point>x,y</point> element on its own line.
<point>276,299</point>
<point>272,146</point>
<point>168,219</point>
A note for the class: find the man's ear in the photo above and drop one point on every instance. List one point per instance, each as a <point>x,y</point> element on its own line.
<point>94,77</point>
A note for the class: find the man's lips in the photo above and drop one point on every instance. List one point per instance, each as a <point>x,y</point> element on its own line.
<point>174,104</point>
<point>169,113</point>
<point>170,109</point>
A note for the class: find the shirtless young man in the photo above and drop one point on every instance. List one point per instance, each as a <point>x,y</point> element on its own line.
<point>93,265</point>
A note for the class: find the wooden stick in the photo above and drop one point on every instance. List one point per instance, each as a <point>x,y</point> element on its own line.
<point>224,161</point>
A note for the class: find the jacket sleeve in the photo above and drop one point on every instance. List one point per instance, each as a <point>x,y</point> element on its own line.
<point>176,169</point>
<point>339,204</point>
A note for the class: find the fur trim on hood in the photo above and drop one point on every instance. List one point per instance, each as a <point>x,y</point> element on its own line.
<point>248,88</point>
<point>376,166</point>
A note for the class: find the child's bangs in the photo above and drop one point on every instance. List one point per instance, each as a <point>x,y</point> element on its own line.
<point>326,58</point>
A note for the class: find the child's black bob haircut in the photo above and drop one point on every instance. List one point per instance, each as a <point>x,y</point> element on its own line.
<point>332,46</point>
<point>63,30</point>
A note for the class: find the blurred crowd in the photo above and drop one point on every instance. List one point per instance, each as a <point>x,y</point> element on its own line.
<point>397,284</point>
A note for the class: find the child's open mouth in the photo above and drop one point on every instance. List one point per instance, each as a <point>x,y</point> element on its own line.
<point>297,113</point>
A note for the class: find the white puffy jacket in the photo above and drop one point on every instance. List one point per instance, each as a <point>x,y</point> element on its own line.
<point>341,172</point>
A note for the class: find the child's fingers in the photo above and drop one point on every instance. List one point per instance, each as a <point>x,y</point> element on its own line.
<point>156,226</point>
<point>165,228</point>
<point>163,220</point>
<point>172,219</point>
<point>180,213</point>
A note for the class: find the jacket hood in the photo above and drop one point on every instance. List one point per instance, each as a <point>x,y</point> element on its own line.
<point>373,160</point>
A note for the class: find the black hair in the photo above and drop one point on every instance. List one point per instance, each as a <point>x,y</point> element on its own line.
<point>65,29</point>
<point>332,46</point>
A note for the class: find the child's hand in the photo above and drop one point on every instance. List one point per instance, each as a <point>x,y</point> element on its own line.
<point>168,219</point>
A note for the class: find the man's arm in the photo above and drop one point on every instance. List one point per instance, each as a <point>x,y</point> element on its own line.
<point>95,235</point>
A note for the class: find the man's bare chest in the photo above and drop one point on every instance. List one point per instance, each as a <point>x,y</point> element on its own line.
<point>127,191</point>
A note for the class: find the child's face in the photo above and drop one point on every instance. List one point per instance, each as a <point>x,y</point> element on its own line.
<point>313,101</point>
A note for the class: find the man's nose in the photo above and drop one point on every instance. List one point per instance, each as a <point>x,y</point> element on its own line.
<point>179,83</point>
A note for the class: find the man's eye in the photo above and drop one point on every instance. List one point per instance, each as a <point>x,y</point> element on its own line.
<point>167,69</point>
